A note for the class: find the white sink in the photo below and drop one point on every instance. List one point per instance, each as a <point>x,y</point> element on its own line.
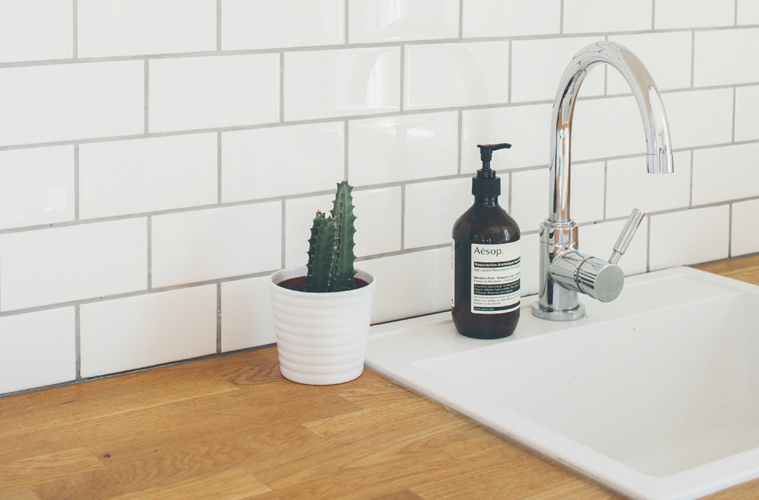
<point>655,395</point>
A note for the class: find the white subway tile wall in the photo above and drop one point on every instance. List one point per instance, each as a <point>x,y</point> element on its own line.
<point>159,159</point>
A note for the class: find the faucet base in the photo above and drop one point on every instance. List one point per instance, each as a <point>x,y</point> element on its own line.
<point>556,315</point>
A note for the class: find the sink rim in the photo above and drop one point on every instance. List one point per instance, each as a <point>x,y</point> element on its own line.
<point>419,345</point>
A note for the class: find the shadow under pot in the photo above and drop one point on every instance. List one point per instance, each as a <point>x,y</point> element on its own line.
<point>321,337</point>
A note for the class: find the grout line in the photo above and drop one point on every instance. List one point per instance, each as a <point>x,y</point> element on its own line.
<point>690,193</point>
<point>692,58</point>
<point>346,13</point>
<point>735,12</point>
<point>75,29</point>
<point>403,217</point>
<point>76,182</point>
<point>218,318</point>
<point>648,244</point>
<point>78,342</point>
<point>283,240</point>
<point>460,140</point>
<point>281,87</point>
<point>146,97</point>
<point>606,187</point>
<point>730,232</point>
<point>218,25</point>
<point>561,17</point>
<point>735,92</point>
<point>508,95</point>
<point>311,48</point>
<point>346,151</point>
<point>511,191</point>
<point>402,93</point>
<point>218,169</point>
<point>653,15</point>
<point>150,251</point>
<point>461,19</point>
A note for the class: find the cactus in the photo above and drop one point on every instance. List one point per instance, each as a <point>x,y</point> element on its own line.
<point>330,253</point>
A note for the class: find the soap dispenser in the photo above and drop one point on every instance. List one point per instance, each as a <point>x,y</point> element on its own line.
<point>486,260</point>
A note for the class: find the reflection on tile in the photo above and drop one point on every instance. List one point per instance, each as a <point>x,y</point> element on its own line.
<point>511,17</point>
<point>329,83</point>
<point>266,24</point>
<point>246,319</point>
<point>124,334</point>
<point>524,127</point>
<point>36,186</point>
<point>402,148</point>
<point>37,349</point>
<point>456,74</point>
<point>386,20</point>
<point>268,162</point>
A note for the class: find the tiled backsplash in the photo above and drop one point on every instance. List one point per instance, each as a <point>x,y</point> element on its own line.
<point>160,158</point>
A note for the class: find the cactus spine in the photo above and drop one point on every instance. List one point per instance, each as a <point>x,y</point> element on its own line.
<point>330,253</point>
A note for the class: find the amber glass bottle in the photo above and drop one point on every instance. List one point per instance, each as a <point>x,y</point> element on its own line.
<point>486,260</point>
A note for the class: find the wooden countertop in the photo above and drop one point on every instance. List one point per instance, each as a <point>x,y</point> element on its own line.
<point>231,428</point>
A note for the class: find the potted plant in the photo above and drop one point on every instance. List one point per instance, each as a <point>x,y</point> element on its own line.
<point>322,310</point>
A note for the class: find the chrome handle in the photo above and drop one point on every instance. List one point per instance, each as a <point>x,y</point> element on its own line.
<point>620,247</point>
<point>590,275</point>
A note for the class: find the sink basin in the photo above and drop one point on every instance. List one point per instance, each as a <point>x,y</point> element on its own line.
<point>655,395</point>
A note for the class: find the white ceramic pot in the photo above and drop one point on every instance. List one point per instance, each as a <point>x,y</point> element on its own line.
<point>321,337</point>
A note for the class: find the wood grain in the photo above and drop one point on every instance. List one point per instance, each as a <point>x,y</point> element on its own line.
<point>231,427</point>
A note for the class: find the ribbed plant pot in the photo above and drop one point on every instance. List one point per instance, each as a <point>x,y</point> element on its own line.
<point>321,337</point>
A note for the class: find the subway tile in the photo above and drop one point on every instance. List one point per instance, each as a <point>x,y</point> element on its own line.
<point>278,161</point>
<point>56,265</point>
<point>136,27</point>
<point>629,185</point>
<point>433,207</point>
<point>410,284</point>
<point>33,30</point>
<point>402,148</point>
<point>744,236</point>
<point>146,330</point>
<point>511,17</point>
<point>71,101</point>
<point>700,117</point>
<point>598,240</point>
<point>678,238</point>
<point>202,245</point>
<point>673,14</point>
<point>246,319</point>
<point>267,24</point>
<point>213,91</point>
<point>526,128</point>
<point>378,220</point>
<point>393,20</point>
<point>146,175</point>
<point>37,349</point>
<point>748,12</point>
<point>718,61</point>
<point>606,128</point>
<point>378,223</point>
<point>587,188</point>
<point>537,66</point>
<point>597,16</point>
<point>299,217</point>
<point>343,82</point>
<point>746,111</point>
<point>725,173</point>
<point>36,186</point>
<point>529,198</point>
<point>667,56</point>
<point>456,74</point>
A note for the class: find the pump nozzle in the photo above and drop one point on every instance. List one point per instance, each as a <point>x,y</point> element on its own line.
<point>486,150</point>
<point>486,183</point>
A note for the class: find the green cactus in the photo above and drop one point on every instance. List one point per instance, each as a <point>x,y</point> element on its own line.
<point>330,253</point>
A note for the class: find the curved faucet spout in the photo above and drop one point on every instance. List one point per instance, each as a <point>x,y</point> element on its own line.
<point>659,148</point>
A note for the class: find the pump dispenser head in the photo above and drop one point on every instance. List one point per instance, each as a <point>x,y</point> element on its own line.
<point>486,183</point>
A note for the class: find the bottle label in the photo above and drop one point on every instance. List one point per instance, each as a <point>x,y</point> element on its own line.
<point>495,278</point>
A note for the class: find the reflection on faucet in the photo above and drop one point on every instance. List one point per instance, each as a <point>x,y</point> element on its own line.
<point>563,270</point>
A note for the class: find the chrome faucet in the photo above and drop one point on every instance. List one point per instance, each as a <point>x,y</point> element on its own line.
<point>564,272</point>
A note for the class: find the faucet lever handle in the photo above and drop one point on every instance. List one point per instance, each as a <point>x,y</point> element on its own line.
<point>620,247</point>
